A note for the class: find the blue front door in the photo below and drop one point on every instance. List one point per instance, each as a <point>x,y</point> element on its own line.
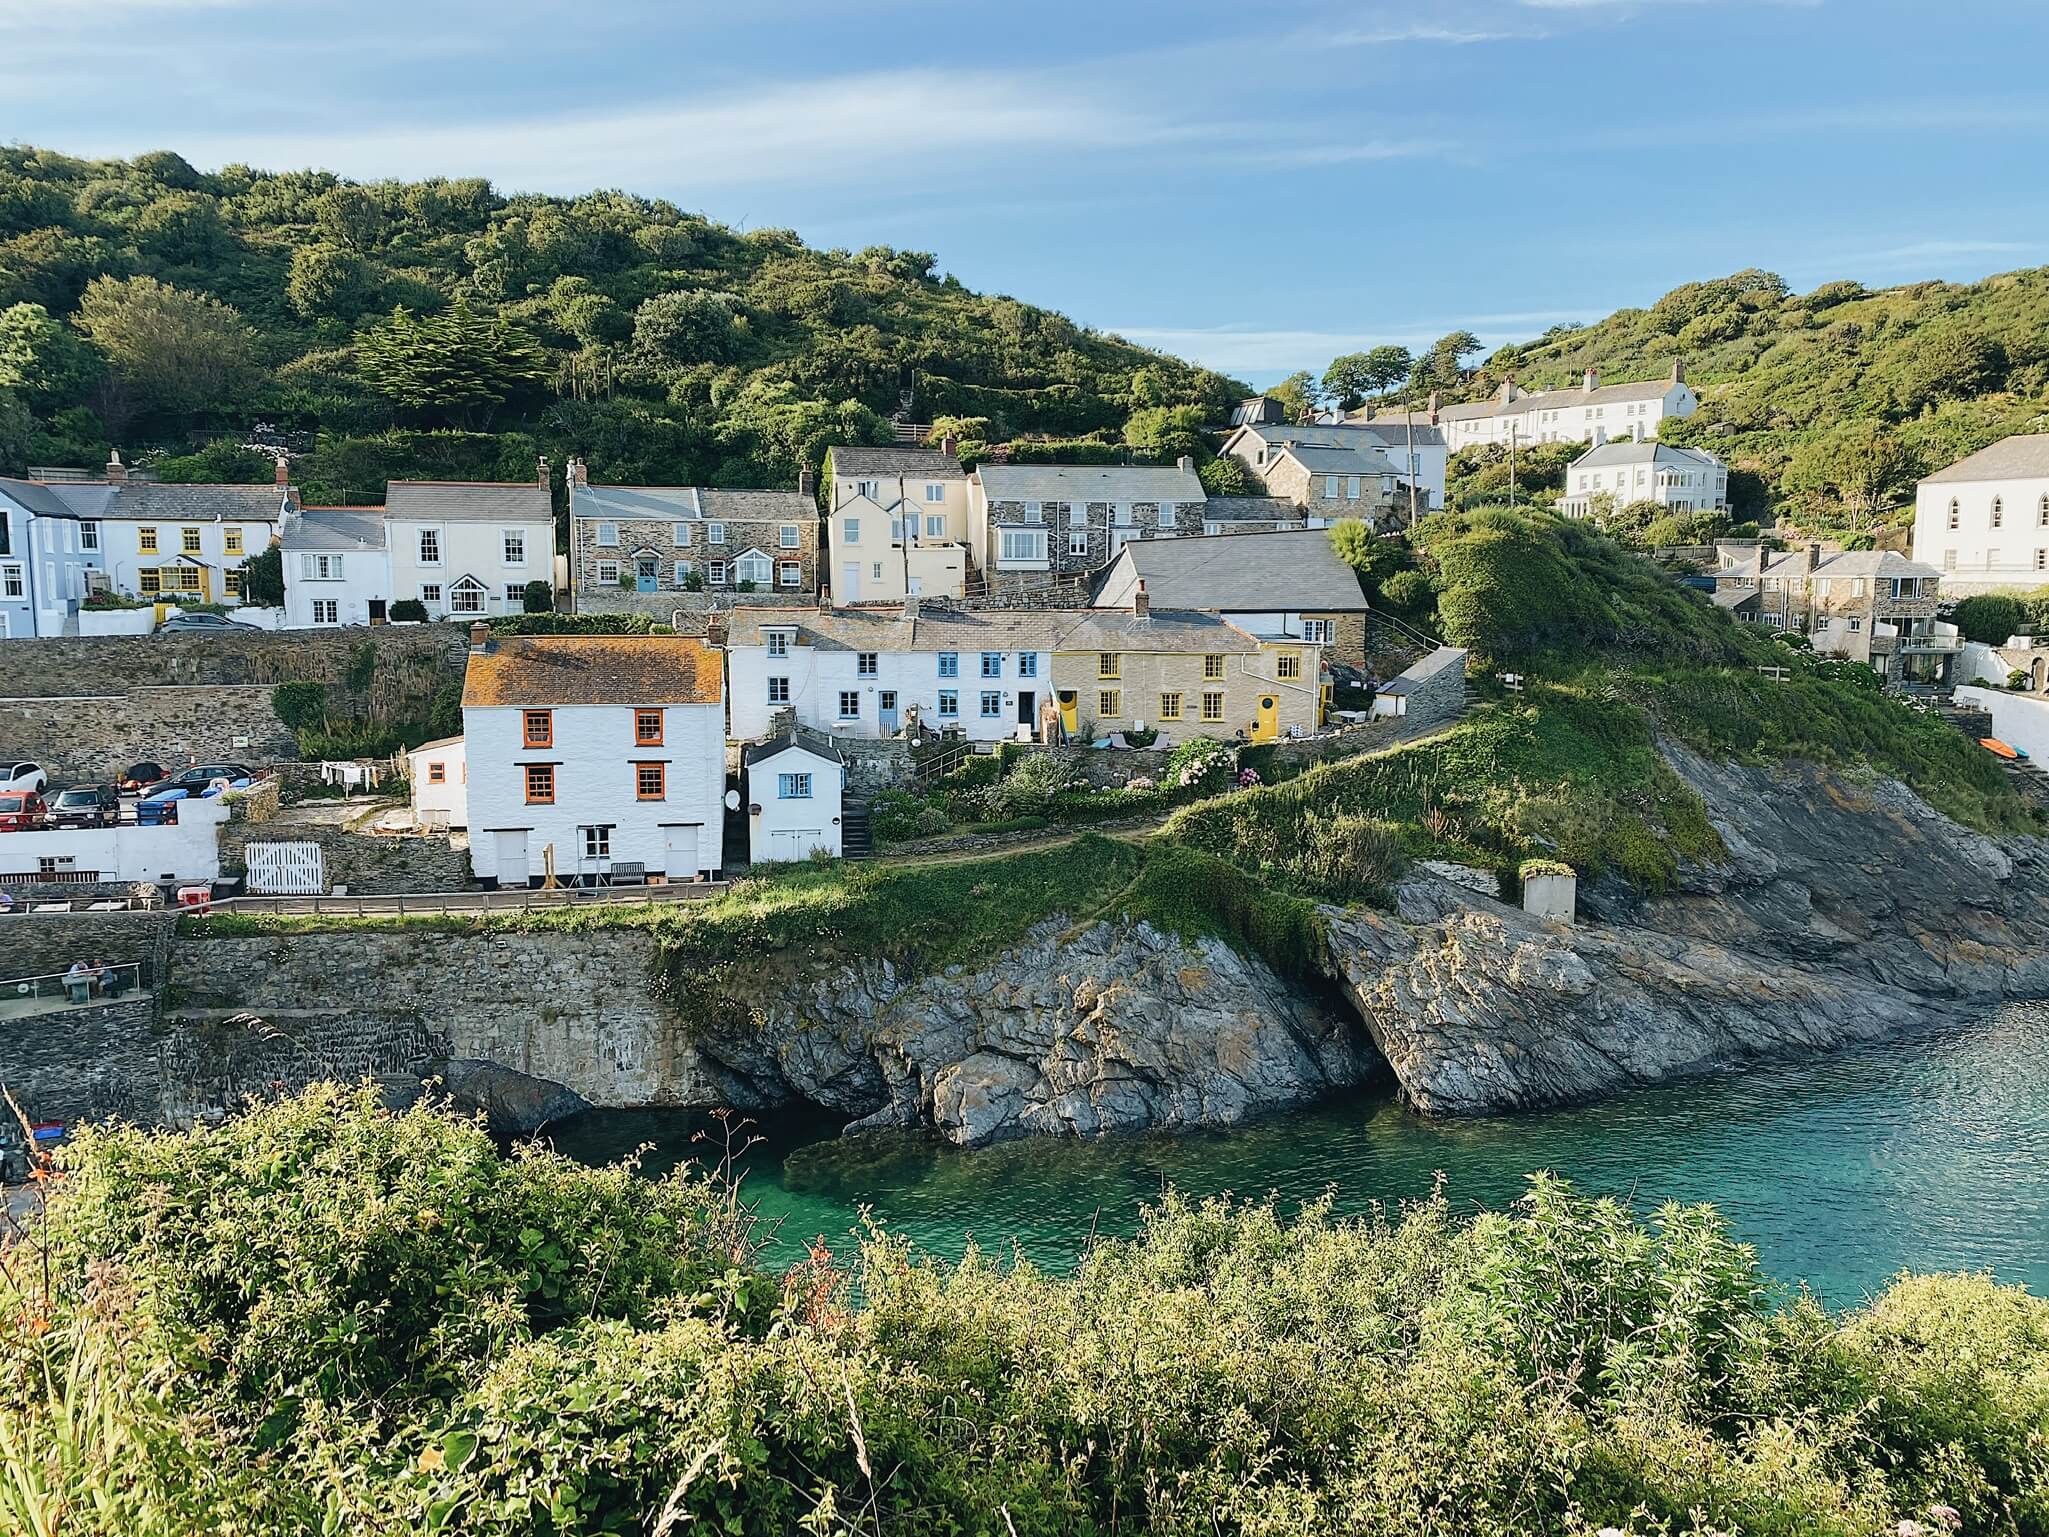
<point>644,570</point>
<point>885,711</point>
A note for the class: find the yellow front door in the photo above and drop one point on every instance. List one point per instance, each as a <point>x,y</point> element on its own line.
<point>1267,725</point>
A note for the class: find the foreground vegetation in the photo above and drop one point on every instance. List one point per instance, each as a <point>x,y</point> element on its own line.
<point>322,1317</point>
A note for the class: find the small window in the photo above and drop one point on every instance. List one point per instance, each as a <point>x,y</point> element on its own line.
<point>778,690</point>
<point>231,539</point>
<point>850,704</point>
<point>231,582</point>
<point>1109,664</point>
<point>1955,513</point>
<point>1028,664</point>
<point>326,611</point>
<point>89,531</point>
<point>437,773</point>
<point>430,546</point>
<point>793,787</point>
<point>540,784</point>
<point>608,535</point>
<point>850,530</point>
<point>992,704</point>
<point>680,535</point>
<point>875,571</point>
<point>949,664</point>
<point>778,642</point>
<point>650,781</point>
<point>2041,516</point>
<point>2042,560</point>
<point>790,574</point>
<point>1110,703</point>
<point>868,488</point>
<point>682,574</point>
<point>935,525</point>
<point>935,491</point>
<point>866,664</point>
<point>1212,668</point>
<point>1821,623</point>
<point>715,533</point>
<point>647,728</point>
<point>1330,488</point>
<point>715,573</point>
<point>188,541</point>
<point>1213,706</point>
<point>515,592</point>
<point>992,664</point>
<point>1170,706</point>
<point>608,573</point>
<point>597,841</point>
<point>537,728</point>
<point>789,536</point>
<point>1077,541</point>
<point>949,703</point>
<point>150,580</point>
<point>430,592</point>
<point>1316,631</point>
<point>515,547</point>
<point>1288,665</point>
<point>1998,512</point>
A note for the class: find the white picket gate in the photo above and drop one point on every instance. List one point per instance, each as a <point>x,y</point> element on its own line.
<point>286,870</point>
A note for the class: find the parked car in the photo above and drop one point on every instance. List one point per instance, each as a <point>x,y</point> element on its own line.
<point>23,776</point>
<point>22,811</point>
<point>214,622</point>
<point>140,775</point>
<point>86,806</point>
<point>197,777</point>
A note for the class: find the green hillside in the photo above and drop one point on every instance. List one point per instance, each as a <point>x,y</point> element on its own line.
<point>440,328</point>
<point>1830,404</point>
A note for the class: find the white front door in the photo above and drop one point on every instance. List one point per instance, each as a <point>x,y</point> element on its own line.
<point>787,845</point>
<point>512,860</point>
<point>679,853</point>
<point>850,582</point>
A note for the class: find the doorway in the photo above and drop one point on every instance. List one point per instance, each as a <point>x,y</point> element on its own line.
<point>646,571</point>
<point>850,582</point>
<point>1027,708</point>
<point>885,710</point>
<point>1268,724</point>
<point>377,611</point>
<point>680,860</point>
<point>513,869</point>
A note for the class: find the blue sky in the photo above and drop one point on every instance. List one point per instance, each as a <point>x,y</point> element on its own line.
<point>1258,186</point>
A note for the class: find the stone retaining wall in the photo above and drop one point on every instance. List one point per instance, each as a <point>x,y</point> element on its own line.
<point>97,664</point>
<point>37,944</point>
<point>97,736</point>
<point>368,864</point>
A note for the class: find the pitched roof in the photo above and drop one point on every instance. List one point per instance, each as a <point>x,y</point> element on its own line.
<point>1088,483</point>
<point>1288,571</point>
<point>334,528</point>
<point>1387,431</point>
<point>1346,459</point>
<point>1251,509</point>
<point>34,496</point>
<point>469,501</point>
<point>1259,410</point>
<point>1178,631</point>
<point>690,504</point>
<point>536,671</point>
<point>918,463</point>
<point>2025,456</point>
<point>887,630</point>
<point>439,741</point>
<point>1569,399</point>
<point>1885,565</point>
<point>815,742</point>
<point>164,502</point>
<point>1646,451</point>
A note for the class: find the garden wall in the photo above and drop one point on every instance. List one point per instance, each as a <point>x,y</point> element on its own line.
<point>96,736</point>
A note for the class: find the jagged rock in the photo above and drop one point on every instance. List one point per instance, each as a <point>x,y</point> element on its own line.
<point>514,1104</point>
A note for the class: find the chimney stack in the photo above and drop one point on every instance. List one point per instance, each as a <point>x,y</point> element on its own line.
<point>1141,605</point>
<point>715,630</point>
<point>1678,370</point>
<point>807,482</point>
<point>1593,379</point>
<point>911,607</point>
<point>116,470</point>
<point>1185,465</point>
<point>542,470</point>
<point>824,597</point>
<point>950,446</point>
<point>1367,414</point>
<point>284,470</point>
<point>576,474</point>
<point>1813,553</point>
<point>1764,558</point>
<point>480,638</point>
<point>1433,408</point>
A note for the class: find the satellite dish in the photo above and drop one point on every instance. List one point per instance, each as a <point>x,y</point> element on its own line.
<point>732,800</point>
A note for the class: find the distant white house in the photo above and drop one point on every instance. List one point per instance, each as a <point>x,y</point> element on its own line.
<point>592,752</point>
<point>337,567</point>
<point>439,774</point>
<point>1627,470</point>
<point>1407,446</point>
<point>464,547</point>
<point>1984,521</point>
<point>795,785</point>
<point>1593,413</point>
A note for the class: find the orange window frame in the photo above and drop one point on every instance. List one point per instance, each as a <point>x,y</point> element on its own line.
<point>540,784</point>
<point>437,773</point>
<point>647,728</point>
<point>537,728</point>
<point>650,781</point>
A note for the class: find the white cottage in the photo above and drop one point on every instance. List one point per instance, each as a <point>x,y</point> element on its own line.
<point>1984,521</point>
<point>464,547</point>
<point>337,567</point>
<point>439,774</point>
<point>795,788</point>
<point>599,757</point>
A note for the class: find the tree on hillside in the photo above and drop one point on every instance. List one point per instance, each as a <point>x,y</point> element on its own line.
<point>1351,378</point>
<point>169,350</point>
<point>1444,364</point>
<point>674,329</point>
<point>458,365</point>
<point>1297,394</point>
<point>17,431</point>
<point>329,283</point>
<point>1859,466</point>
<point>1165,432</point>
<point>43,361</point>
<point>1952,361</point>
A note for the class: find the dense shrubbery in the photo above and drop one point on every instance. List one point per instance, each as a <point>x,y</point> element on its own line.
<point>323,1318</point>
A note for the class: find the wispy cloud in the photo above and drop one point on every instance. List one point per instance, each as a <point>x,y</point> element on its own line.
<point>1457,37</point>
<point>1266,353</point>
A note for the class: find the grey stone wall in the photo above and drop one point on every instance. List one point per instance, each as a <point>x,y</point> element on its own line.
<point>37,944</point>
<point>879,765</point>
<point>96,736</point>
<point>742,535</point>
<point>368,864</point>
<point>95,1063</point>
<point>100,664</point>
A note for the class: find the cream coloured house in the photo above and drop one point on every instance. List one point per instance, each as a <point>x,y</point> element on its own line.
<point>1627,470</point>
<point>898,525</point>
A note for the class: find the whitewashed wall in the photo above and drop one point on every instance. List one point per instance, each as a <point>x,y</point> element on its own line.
<point>186,851</point>
<point>788,830</point>
<point>2019,720</point>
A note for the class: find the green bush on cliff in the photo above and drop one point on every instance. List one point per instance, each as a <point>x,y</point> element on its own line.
<point>1556,1368</point>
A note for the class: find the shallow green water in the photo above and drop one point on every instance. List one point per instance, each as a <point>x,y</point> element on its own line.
<point>1930,1153</point>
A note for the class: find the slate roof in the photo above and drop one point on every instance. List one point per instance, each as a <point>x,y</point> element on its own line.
<point>1649,451</point>
<point>1424,668</point>
<point>855,460</point>
<point>153,501</point>
<point>439,741</point>
<point>1251,509</point>
<point>887,630</point>
<point>1560,400</point>
<point>34,496</point>
<point>1884,565</point>
<point>691,504</point>
<point>1289,571</point>
<point>1177,631</point>
<point>797,736</point>
<point>1088,483</point>
<point>469,501</point>
<point>537,671</point>
<point>1350,459</point>
<point>1393,430</point>
<point>334,528</point>
<point>2025,456</point>
<point>1386,431</point>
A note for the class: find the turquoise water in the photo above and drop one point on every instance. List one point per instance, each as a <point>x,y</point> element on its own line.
<point>1930,1152</point>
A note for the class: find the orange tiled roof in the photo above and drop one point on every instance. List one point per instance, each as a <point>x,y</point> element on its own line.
<point>542,670</point>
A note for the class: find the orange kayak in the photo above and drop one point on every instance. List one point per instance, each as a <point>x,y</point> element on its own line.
<point>1992,744</point>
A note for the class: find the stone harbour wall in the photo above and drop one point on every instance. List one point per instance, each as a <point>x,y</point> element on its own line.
<point>97,664</point>
<point>368,864</point>
<point>97,736</point>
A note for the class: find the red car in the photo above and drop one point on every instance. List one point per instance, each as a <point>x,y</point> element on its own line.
<point>22,811</point>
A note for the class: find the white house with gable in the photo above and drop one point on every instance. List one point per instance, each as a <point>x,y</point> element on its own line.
<point>337,567</point>
<point>1984,521</point>
<point>1593,413</point>
<point>469,547</point>
<point>592,755</point>
<point>1626,470</point>
<point>795,785</point>
<point>438,772</point>
<point>862,672</point>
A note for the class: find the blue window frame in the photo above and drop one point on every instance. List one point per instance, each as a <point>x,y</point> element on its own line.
<point>1028,664</point>
<point>949,702</point>
<point>992,664</point>
<point>793,787</point>
<point>949,664</point>
<point>992,704</point>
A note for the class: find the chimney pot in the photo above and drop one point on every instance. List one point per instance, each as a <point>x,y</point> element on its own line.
<point>1185,465</point>
<point>577,474</point>
<point>1678,370</point>
<point>807,481</point>
<point>480,638</point>
<point>950,446</point>
<point>116,470</point>
<point>1813,553</point>
<point>1141,604</point>
<point>1433,407</point>
<point>284,470</point>
<point>541,468</point>
<point>825,597</point>
<point>715,630</point>
<point>1593,379</point>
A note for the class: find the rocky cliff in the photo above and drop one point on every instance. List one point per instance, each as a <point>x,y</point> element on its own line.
<point>1844,910</point>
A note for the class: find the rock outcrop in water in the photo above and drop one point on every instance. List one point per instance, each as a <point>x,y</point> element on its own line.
<point>1843,912</point>
<point>1112,1027</point>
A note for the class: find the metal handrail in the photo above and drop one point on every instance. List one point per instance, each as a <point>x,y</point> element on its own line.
<point>57,984</point>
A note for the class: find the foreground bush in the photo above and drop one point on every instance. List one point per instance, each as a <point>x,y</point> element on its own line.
<point>466,1344</point>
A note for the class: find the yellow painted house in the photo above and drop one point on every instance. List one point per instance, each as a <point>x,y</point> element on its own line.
<point>1185,673</point>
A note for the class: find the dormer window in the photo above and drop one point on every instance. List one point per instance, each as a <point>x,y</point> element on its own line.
<point>778,642</point>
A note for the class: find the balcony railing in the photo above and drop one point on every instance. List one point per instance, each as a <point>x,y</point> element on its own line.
<point>1935,643</point>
